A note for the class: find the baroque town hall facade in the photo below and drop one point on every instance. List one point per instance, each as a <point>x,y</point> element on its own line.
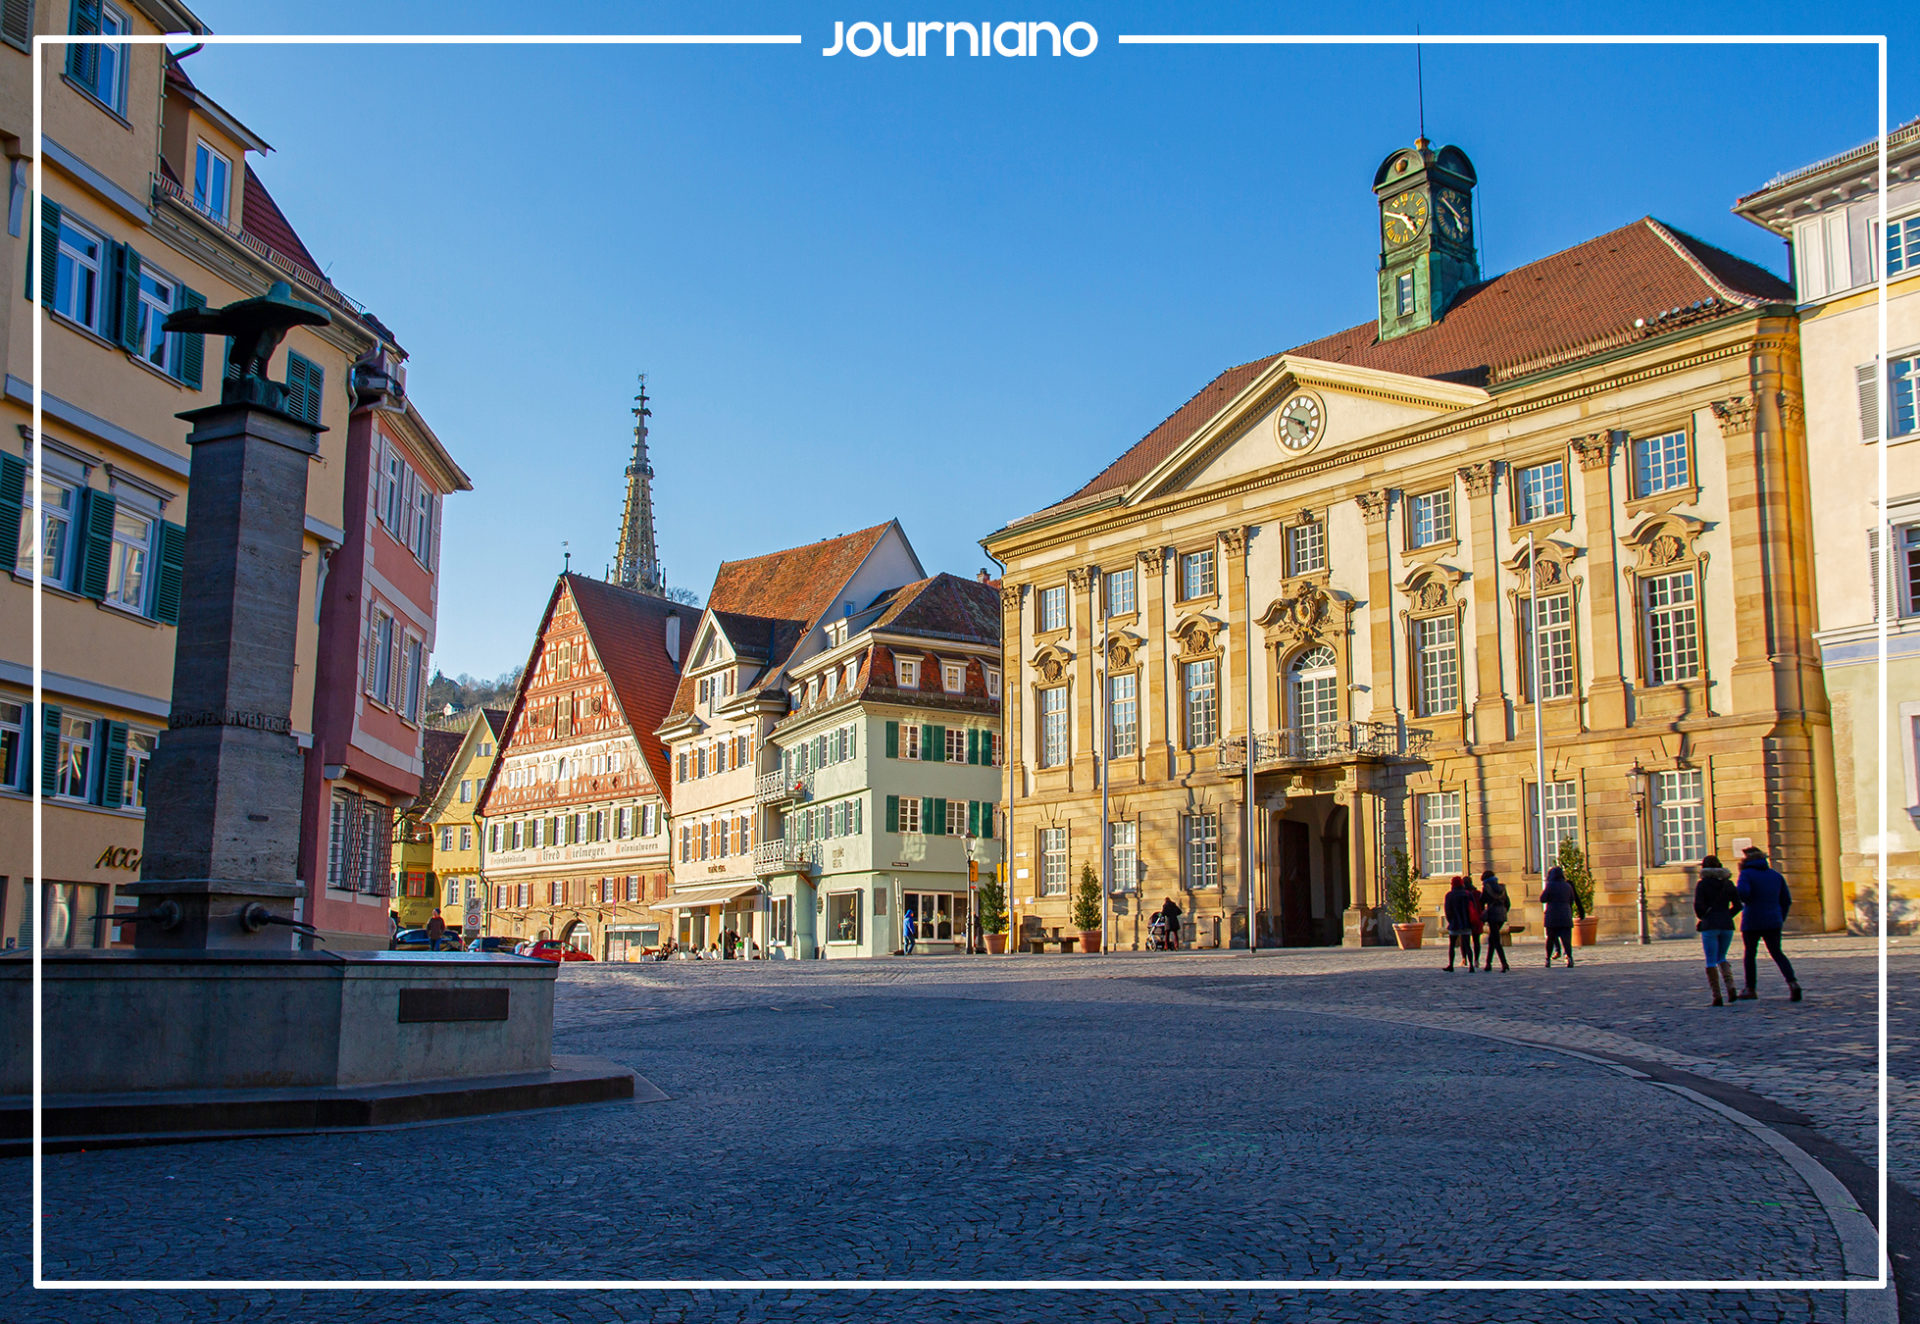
<point>1587,475</point>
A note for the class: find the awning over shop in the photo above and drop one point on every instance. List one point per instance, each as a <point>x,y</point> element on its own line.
<point>705,896</point>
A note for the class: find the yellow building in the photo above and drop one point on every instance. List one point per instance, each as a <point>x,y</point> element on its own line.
<point>1342,552</point>
<point>416,889</point>
<point>454,862</point>
<point>1829,212</point>
<point>150,205</point>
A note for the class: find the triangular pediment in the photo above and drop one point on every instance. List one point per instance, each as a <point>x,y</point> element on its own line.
<point>1298,411</point>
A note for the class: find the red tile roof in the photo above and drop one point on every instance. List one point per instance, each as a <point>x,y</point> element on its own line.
<point>785,593</point>
<point>437,748</point>
<point>261,217</point>
<point>944,607</point>
<point>628,633</point>
<point>1640,280</point>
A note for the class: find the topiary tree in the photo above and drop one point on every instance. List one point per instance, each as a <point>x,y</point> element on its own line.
<point>993,905</point>
<point>1573,864</point>
<point>1086,900</point>
<point>1403,889</point>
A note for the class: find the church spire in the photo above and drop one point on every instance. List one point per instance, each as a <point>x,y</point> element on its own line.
<point>636,562</point>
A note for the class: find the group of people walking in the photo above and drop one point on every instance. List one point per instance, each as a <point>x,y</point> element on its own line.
<point>1470,909</point>
<point>1762,900</point>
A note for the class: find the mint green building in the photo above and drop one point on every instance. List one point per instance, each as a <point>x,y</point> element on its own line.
<point>887,800</point>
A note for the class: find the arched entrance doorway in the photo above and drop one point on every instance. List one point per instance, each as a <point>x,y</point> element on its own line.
<point>576,934</point>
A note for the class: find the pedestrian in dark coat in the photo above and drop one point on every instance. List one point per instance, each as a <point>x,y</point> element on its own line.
<point>1171,914</point>
<point>1765,902</point>
<point>1716,901</point>
<point>1459,915</point>
<point>1498,906</point>
<point>1558,902</point>
<point>437,932</point>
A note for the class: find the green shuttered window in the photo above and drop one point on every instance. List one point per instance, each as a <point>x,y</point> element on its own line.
<point>13,486</point>
<point>96,542</point>
<point>305,382</point>
<point>166,588</point>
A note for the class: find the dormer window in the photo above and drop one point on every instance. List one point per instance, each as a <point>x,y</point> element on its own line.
<point>813,692</point>
<point>853,674</point>
<point>212,182</point>
<point>908,670</point>
<point>954,677</point>
<point>993,683</point>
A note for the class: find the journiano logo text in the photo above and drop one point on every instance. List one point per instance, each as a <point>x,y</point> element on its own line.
<point>980,39</point>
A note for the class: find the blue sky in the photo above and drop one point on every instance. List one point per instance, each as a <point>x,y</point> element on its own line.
<point>943,290</point>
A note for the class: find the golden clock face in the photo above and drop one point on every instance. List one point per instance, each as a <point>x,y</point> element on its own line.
<point>1404,217</point>
<point>1454,215</point>
<point>1298,424</point>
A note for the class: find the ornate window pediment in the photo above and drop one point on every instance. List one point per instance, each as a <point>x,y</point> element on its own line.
<point>1433,588</point>
<point>1122,648</point>
<point>1052,663</point>
<point>1310,611</point>
<point>1662,540</point>
<point>1198,634</point>
<point>1555,569</point>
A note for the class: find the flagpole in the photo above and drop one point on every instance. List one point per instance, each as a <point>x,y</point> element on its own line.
<point>1103,718</point>
<point>1539,729</point>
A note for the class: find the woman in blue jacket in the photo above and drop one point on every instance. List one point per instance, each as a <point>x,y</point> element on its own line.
<point>1765,901</point>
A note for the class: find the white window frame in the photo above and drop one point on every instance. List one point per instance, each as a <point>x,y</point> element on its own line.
<point>156,346</point>
<point>75,763</point>
<point>907,672</point>
<point>1307,548</point>
<point>1540,491</point>
<point>1052,609</point>
<point>910,813</point>
<point>130,563</point>
<point>1200,849</point>
<point>109,87</point>
<point>1430,518</point>
<point>1552,651</point>
<point>953,677</point>
<point>1198,577</point>
<point>1662,462</point>
<point>1443,833</point>
<point>993,683</point>
<point>1120,587</point>
<point>14,746</point>
<point>1403,302</point>
<point>1672,625</point>
<point>39,522</point>
<point>70,260</point>
<point>1124,855</point>
<point>205,157</point>
<point>1055,747</point>
<point>1563,820</point>
<point>1436,664</point>
<point>1200,701</point>
<point>1679,816</point>
<point>1123,715</point>
<point>1053,861</point>
<point>133,777</point>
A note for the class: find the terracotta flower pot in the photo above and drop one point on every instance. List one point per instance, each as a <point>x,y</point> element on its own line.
<point>1409,936</point>
<point>1090,941</point>
<point>1585,931</point>
<point>996,944</point>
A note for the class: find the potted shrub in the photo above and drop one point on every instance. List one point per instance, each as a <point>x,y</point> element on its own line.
<point>1086,909</point>
<point>1403,902</point>
<point>1573,863</point>
<point>993,915</point>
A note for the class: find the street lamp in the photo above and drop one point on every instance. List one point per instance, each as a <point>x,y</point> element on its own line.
<point>1637,788</point>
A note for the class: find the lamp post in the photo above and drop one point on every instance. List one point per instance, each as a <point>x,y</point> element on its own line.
<point>1637,788</point>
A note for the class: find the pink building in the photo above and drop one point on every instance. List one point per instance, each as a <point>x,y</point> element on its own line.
<point>378,599</point>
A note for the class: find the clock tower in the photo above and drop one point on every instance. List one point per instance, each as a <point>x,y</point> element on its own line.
<point>1426,235</point>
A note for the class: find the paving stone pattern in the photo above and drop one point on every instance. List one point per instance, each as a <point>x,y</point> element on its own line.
<point>1188,1116</point>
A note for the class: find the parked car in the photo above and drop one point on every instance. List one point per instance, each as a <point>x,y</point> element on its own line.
<point>552,949</point>
<point>497,945</point>
<point>415,940</point>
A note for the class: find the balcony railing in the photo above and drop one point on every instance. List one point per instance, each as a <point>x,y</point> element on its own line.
<point>774,788</point>
<point>1327,742</point>
<point>300,271</point>
<point>780,856</point>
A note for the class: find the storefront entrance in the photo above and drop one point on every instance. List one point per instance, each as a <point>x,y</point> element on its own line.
<point>1304,885</point>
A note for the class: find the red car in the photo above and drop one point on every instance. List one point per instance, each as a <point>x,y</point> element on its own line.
<point>552,949</point>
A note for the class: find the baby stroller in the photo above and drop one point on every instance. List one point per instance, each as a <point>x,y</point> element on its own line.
<point>1160,936</point>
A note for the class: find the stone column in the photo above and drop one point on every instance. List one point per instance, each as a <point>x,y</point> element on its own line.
<point>1375,506</point>
<point>1607,694</point>
<point>224,787</point>
<point>1491,720</point>
<point>1357,929</point>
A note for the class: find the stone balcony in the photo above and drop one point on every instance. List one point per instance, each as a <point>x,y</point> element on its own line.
<point>1327,742</point>
<point>780,856</point>
<point>773,788</point>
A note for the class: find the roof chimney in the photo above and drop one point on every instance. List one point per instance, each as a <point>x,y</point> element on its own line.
<point>984,577</point>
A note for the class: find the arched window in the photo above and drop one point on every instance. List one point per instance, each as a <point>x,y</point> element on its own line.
<point>1312,701</point>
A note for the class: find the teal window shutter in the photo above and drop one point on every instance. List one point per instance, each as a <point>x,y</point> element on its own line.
<point>305,382</point>
<point>83,59</point>
<point>931,817</point>
<point>13,485</point>
<point>986,819</point>
<point>193,348</point>
<point>166,587</point>
<point>939,743</point>
<point>973,818</point>
<point>126,274</point>
<point>113,771</point>
<point>49,250</point>
<point>973,745</point>
<point>96,542</point>
<point>928,752</point>
<point>893,810</point>
<point>49,746</point>
<point>893,743</point>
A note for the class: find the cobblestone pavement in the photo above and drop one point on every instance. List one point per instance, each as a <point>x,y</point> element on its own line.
<point>1306,1115</point>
